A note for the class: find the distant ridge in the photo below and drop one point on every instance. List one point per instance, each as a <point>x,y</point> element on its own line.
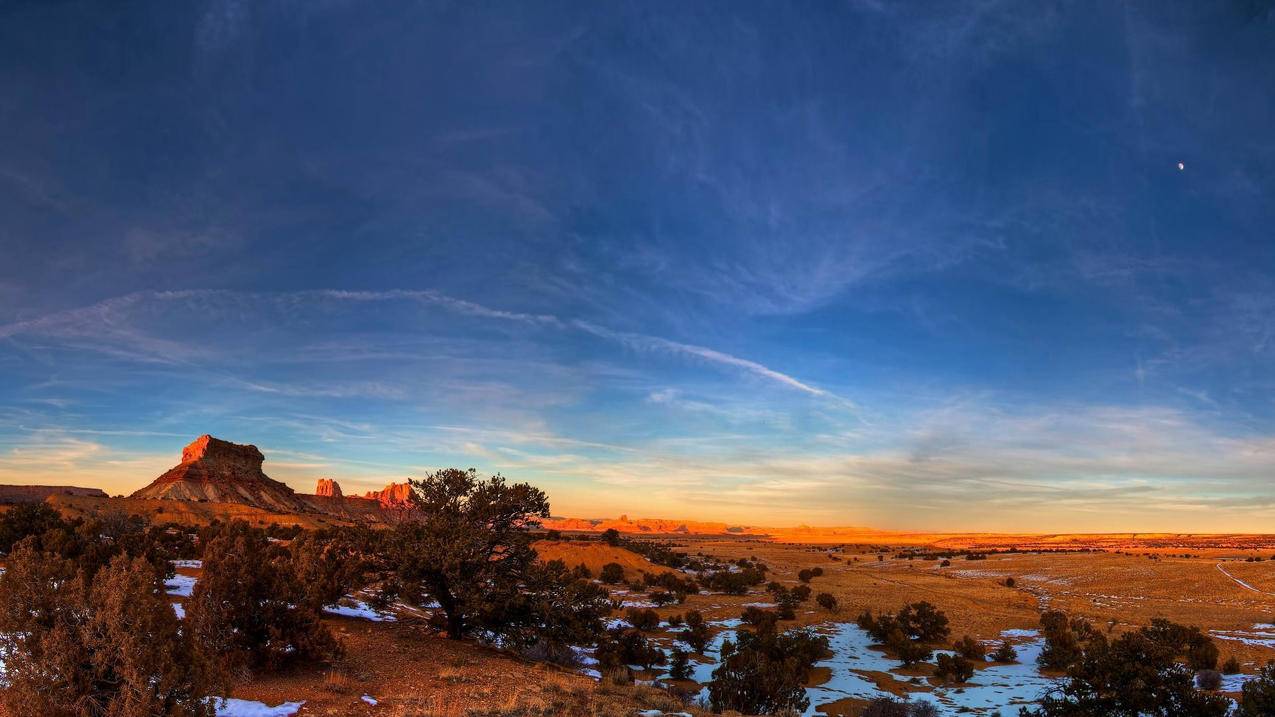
<point>12,494</point>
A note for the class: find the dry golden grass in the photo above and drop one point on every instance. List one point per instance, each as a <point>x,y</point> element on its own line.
<point>594,555</point>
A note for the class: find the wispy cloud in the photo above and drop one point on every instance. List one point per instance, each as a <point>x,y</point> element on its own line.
<point>108,327</point>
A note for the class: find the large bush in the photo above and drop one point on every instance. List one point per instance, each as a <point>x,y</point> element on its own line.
<point>765,672</point>
<point>107,647</point>
<point>250,609</point>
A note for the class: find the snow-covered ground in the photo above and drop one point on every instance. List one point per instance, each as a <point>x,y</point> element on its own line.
<point>180,585</point>
<point>1261,635</point>
<point>994,687</point>
<point>187,563</point>
<point>231,707</point>
<point>359,609</point>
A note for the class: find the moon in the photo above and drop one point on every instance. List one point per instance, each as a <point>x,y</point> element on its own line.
<point>1181,166</point>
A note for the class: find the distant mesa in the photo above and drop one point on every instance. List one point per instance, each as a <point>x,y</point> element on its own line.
<point>14,494</point>
<point>328,488</point>
<point>219,471</point>
<point>394,495</point>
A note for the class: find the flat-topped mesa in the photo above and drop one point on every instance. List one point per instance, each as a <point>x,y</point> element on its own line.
<point>223,472</point>
<point>12,494</point>
<point>328,488</point>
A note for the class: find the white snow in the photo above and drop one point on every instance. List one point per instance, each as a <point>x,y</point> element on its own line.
<point>231,707</point>
<point>369,699</point>
<point>180,610</point>
<point>359,609</point>
<point>180,585</point>
<point>187,563</point>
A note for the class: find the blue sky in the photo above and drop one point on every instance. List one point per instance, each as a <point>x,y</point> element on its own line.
<point>907,265</point>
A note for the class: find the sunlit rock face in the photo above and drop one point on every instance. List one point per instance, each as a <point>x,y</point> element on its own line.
<point>328,488</point>
<point>223,472</point>
<point>392,495</point>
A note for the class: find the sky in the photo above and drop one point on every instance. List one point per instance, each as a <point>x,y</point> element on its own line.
<point>991,265</point>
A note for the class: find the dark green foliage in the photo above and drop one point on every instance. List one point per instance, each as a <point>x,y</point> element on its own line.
<point>953,668</point>
<point>472,548</point>
<point>827,601</point>
<point>679,665</point>
<point>582,572</point>
<point>644,620</point>
<point>112,646</point>
<point>1231,666</point>
<point>1005,652</point>
<point>1210,680</point>
<point>612,574</point>
<point>1258,696</point>
<point>805,575</point>
<point>662,598</point>
<point>908,651</point>
<point>922,621</point>
<point>610,536</point>
<point>327,565</point>
<point>801,593</point>
<point>1133,676</point>
<point>696,633</point>
<point>765,671</point>
<point>250,609</point>
<point>970,649</point>
<point>758,617</point>
<point>25,520</point>
<point>1062,640</point>
<point>627,647</point>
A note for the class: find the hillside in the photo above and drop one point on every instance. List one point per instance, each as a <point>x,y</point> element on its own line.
<point>594,555</point>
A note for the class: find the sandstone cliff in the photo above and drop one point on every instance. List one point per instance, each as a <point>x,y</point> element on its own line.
<point>222,472</point>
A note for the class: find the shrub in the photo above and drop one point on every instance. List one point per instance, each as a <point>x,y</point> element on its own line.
<point>1231,666</point>
<point>1257,698</point>
<point>970,649</point>
<point>662,598</point>
<point>1210,680</point>
<point>764,673</point>
<point>1062,645</point>
<point>582,572</point>
<point>922,621</point>
<point>249,609</point>
<point>627,647</point>
<point>610,536</point>
<point>1132,675</point>
<point>612,573</point>
<point>679,665</point>
<point>907,650</point>
<point>26,520</point>
<point>644,620</point>
<point>801,593</point>
<point>696,633</point>
<point>953,668</point>
<point>1010,582</point>
<point>1005,652</point>
<point>805,575</point>
<point>827,601</point>
<point>113,645</point>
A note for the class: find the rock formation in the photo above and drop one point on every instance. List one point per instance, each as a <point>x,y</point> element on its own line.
<point>222,472</point>
<point>11,494</point>
<point>328,488</point>
<point>394,495</point>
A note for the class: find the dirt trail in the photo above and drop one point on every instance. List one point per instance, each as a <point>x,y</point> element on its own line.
<point>1241,583</point>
